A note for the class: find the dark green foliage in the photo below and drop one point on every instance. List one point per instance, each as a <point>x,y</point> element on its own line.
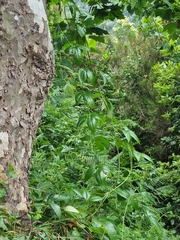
<point>90,176</point>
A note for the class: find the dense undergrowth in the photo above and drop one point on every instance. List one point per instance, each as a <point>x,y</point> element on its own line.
<point>105,163</point>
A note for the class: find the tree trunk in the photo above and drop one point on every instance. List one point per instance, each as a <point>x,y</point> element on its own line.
<point>26,72</point>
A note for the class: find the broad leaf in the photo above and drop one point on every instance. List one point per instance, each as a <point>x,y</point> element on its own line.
<point>82,75</point>
<point>69,89</point>
<point>56,208</point>
<point>81,120</point>
<point>89,173</point>
<point>89,99</point>
<point>81,30</point>
<point>101,143</point>
<point>2,224</point>
<point>96,198</point>
<point>91,77</point>
<point>70,209</point>
<point>92,122</point>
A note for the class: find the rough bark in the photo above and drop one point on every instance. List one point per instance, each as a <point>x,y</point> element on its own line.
<point>26,72</point>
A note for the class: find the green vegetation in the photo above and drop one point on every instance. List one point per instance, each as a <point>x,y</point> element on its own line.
<point>106,160</point>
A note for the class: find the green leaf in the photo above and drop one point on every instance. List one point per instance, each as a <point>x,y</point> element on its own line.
<point>91,77</point>
<point>101,143</point>
<point>89,173</point>
<point>127,134</point>
<point>86,194</point>
<point>92,122</point>
<point>83,193</point>
<point>96,198</point>
<point>130,134</point>
<point>2,224</point>
<point>89,99</point>
<point>170,27</point>
<point>140,156</point>
<point>2,193</point>
<point>59,197</point>
<point>82,75</point>
<point>97,38</point>
<point>56,208</point>
<point>12,171</point>
<point>106,78</point>
<point>168,3</point>
<point>81,120</point>
<point>107,105</point>
<point>78,192</point>
<point>69,89</point>
<point>111,231</point>
<point>118,142</point>
<point>147,157</point>
<point>70,209</point>
<point>78,54</point>
<point>137,155</point>
<point>101,174</point>
<point>152,217</point>
<point>19,238</point>
<point>81,30</point>
<point>79,97</point>
<point>123,193</point>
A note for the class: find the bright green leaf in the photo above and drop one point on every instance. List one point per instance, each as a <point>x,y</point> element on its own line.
<point>96,198</point>
<point>86,194</point>
<point>56,208</point>
<point>81,30</point>
<point>70,209</point>
<point>2,224</point>
<point>111,231</point>
<point>69,89</point>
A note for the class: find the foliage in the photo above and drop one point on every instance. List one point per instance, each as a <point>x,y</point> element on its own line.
<point>90,177</point>
<point>167,85</point>
<point>135,95</point>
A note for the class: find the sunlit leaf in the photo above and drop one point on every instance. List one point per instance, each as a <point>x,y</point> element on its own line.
<point>69,89</point>
<point>81,30</point>
<point>111,231</point>
<point>86,194</point>
<point>96,198</point>
<point>2,224</point>
<point>56,208</point>
<point>70,209</point>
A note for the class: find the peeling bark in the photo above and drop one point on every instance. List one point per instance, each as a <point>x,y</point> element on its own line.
<point>26,72</point>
